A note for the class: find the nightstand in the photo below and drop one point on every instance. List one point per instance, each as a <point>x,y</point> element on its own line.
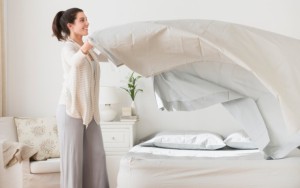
<point>118,138</point>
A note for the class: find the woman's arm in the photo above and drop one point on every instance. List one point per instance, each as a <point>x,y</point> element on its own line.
<point>86,47</point>
<point>74,57</point>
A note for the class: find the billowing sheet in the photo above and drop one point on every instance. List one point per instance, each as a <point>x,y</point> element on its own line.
<point>145,169</point>
<point>240,92</point>
<point>265,101</point>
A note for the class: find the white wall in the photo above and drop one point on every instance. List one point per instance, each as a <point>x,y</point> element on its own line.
<point>34,72</point>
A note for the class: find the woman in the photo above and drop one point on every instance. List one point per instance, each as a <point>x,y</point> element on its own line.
<point>83,163</point>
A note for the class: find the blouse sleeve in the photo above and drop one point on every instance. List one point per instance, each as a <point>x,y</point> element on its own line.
<point>72,56</point>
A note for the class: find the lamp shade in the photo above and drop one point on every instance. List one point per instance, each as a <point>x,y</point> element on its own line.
<point>108,95</point>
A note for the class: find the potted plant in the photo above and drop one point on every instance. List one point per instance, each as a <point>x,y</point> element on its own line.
<point>132,89</point>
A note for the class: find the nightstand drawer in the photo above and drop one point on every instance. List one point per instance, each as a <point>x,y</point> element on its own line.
<point>116,138</point>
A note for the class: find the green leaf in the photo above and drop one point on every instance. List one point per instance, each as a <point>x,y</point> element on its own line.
<point>132,83</point>
<point>137,91</point>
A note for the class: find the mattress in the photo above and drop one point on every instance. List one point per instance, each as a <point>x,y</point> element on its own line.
<point>152,167</point>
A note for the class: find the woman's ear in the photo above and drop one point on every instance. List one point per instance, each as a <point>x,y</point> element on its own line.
<point>70,26</point>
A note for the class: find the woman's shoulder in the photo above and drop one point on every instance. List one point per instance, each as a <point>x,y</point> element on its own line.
<point>69,46</point>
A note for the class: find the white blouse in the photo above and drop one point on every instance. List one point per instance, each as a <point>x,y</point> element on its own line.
<point>80,92</point>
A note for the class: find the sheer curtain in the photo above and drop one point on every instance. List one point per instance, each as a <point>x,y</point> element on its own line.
<point>1,59</point>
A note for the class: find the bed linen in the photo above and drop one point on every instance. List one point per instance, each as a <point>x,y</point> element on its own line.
<point>270,118</point>
<point>150,167</point>
<point>253,106</point>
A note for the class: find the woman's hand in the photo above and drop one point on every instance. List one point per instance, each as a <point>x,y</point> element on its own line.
<point>86,47</point>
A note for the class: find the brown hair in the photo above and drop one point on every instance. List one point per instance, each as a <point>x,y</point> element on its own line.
<point>60,21</point>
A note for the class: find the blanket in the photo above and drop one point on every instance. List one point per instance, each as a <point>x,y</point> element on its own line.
<point>253,73</point>
<point>14,152</point>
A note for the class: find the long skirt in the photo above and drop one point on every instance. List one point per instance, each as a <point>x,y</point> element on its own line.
<point>83,162</point>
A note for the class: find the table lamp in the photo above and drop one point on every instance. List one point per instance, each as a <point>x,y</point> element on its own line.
<point>108,96</point>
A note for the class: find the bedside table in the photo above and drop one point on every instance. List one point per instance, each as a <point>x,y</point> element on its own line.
<point>118,138</point>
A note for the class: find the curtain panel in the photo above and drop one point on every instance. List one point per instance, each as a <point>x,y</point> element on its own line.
<point>1,59</point>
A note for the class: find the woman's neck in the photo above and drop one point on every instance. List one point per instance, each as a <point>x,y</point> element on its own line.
<point>77,39</point>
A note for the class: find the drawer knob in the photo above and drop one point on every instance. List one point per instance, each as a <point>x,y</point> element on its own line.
<point>113,138</point>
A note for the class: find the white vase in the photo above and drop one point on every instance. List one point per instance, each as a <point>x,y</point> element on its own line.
<point>133,109</point>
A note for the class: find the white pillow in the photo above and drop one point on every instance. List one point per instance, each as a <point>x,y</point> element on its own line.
<point>148,143</point>
<point>40,133</point>
<point>239,140</point>
<point>187,140</point>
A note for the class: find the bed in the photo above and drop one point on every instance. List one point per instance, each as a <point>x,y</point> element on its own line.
<point>199,63</point>
<point>151,167</point>
<point>148,166</point>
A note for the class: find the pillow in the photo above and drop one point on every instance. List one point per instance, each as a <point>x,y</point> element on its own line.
<point>148,143</point>
<point>239,140</point>
<point>40,133</point>
<point>187,140</point>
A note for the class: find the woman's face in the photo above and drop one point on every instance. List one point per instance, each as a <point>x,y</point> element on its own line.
<point>80,25</point>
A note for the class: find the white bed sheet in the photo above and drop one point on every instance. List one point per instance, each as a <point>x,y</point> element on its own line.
<point>151,48</point>
<point>149,167</point>
<point>155,152</point>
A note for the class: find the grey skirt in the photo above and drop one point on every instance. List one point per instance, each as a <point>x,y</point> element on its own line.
<point>83,162</point>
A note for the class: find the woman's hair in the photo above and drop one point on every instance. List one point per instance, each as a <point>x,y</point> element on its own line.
<point>61,19</point>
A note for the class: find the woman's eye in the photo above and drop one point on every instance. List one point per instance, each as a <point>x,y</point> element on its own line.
<point>83,20</point>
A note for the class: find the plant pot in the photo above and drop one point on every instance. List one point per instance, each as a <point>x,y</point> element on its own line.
<point>133,109</point>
